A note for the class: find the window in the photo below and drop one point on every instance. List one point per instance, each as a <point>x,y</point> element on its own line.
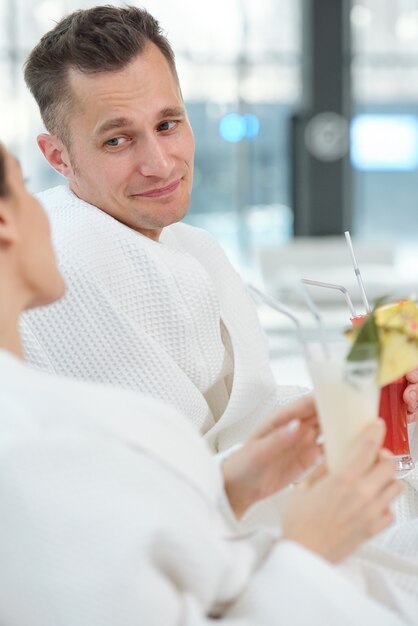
<point>385,94</point>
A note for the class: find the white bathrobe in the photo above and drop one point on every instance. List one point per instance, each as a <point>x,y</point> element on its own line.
<point>169,318</point>
<point>105,523</point>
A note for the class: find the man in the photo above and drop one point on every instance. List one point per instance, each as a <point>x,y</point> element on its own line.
<point>155,306</point>
<point>152,304</point>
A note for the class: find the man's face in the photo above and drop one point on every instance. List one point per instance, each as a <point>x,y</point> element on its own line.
<point>132,146</point>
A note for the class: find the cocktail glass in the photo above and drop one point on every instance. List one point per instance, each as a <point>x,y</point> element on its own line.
<point>347,396</point>
<point>393,410</point>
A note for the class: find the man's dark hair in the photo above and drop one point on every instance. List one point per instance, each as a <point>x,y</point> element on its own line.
<point>3,181</point>
<point>101,39</point>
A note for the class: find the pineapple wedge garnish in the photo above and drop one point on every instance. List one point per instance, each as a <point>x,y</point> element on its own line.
<point>401,316</point>
<point>394,327</point>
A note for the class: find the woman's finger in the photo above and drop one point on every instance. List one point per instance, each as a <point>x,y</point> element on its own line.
<point>316,475</point>
<point>382,522</point>
<point>364,453</point>
<point>412,377</point>
<point>410,397</point>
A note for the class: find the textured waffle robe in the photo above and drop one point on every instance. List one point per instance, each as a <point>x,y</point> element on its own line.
<point>104,523</point>
<point>169,318</point>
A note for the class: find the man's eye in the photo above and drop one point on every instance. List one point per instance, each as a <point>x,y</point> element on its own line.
<point>167,125</point>
<point>115,141</point>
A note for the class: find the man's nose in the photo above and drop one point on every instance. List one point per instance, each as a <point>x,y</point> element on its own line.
<point>154,158</point>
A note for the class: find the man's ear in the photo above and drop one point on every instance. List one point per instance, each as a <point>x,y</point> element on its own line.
<point>56,154</point>
<point>8,222</point>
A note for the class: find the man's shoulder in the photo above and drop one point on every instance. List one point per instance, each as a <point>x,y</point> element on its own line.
<point>54,196</point>
<point>202,245</point>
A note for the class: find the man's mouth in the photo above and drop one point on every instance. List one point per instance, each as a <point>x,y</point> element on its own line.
<point>160,191</point>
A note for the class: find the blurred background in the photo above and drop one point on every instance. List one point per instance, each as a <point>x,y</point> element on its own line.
<point>305,114</point>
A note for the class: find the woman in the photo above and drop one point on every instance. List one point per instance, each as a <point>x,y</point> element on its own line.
<point>104,522</point>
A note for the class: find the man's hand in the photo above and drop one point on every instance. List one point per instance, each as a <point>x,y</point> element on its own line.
<point>276,455</point>
<point>333,514</point>
<point>410,396</point>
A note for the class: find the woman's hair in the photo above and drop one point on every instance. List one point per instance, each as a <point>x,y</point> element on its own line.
<point>3,182</point>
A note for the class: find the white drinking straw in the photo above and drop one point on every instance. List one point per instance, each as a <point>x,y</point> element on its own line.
<point>317,316</point>
<point>341,288</point>
<point>357,272</point>
<point>281,308</point>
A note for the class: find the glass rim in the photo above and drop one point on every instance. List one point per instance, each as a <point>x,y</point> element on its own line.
<point>339,351</point>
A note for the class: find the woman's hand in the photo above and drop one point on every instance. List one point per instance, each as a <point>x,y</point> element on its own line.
<point>410,396</point>
<point>333,514</point>
<point>276,455</point>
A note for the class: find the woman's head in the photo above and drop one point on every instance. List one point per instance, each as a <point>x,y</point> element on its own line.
<point>3,187</point>
<point>27,258</point>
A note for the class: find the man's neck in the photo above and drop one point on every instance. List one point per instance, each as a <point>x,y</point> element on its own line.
<point>151,233</point>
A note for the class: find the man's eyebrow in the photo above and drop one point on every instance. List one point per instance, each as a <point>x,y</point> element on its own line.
<point>121,122</point>
<point>117,122</point>
<point>173,112</point>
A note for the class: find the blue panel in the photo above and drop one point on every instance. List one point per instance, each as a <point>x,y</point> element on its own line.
<point>384,142</point>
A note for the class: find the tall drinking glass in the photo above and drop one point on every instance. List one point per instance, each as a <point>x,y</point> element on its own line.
<point>347,396</point>
<point>393,410</point>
